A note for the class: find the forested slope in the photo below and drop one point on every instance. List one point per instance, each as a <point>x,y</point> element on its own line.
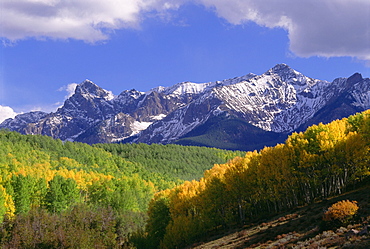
<point>173,161</point>
<point>74,190</point>
<point>56,194</point>
<point>49,182</point>
<point>323,161</point>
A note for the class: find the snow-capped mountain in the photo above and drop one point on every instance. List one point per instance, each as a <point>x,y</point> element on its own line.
<point>245,112</point>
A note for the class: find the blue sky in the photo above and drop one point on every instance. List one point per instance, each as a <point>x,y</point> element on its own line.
<point>48,45</point>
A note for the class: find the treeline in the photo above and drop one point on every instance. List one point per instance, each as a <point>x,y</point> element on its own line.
<point>321,162</point>
<point>173,161</point>
<point>56,194</point>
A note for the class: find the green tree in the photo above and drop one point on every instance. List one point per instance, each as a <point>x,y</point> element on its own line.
<point>159,218</point>
<point>23,187</point>
<point>62,194</point>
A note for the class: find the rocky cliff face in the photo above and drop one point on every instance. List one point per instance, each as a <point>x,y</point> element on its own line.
<point>245,112</point>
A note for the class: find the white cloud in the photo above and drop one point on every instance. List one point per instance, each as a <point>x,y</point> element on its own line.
<point>6,112</point>
<point>70,89</point>
<point>315,27</point>
<point>83,19</point>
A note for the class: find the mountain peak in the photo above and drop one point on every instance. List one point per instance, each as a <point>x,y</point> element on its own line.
<point>87,86</point>
<point>356,77</point>
<point>282,69</point>
<point>272,104</point>
<point>288,74</point>
<point>87,81</point>
<point>89,89</point>
<point>281,66</point>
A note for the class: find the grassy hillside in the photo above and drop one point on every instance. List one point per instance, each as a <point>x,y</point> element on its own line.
<point>301,228</point>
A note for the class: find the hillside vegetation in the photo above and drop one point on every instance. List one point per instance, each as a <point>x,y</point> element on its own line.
<point>302,228</point>
<point>56,194</point>
<point>321,162</point>
<point>173,161</point>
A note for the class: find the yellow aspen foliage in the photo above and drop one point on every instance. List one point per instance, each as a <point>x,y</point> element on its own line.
<point>236,165</point>
<point>357,152</point>
<point>83,178</point>
<point>182,200</point>
<point>296,142</point>
<point>21,171</point>
<point>341,210</point>
<point>8,203</point>
<point>38,170</point>
<point>237,177</point>
<point>68,162</point>
<point>44,170</point>
<point>216,171</point>
<point>274,171</point>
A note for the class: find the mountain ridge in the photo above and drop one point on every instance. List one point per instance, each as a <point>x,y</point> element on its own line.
<point>279,101</point>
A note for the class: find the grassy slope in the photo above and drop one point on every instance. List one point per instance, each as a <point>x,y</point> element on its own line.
<point>300,228</point>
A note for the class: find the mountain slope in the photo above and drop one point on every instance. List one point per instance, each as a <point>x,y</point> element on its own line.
<point>271,105</point>
<point>279,101</point>
<point>300,229</point>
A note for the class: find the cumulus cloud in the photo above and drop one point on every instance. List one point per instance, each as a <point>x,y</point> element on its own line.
<point>70,89</point>
<point>315,27</point>
<point>86,20</point>
<point>6,112</point>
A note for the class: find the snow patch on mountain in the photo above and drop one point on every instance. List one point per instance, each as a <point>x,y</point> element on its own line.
<point>158,117</point>
<point>72,138</point>
<point>362,100</point>
<point>361,94</point>
<point>137,126</point>
<point>183,88</point>
<point>279,100</point>
<point>198,88</point>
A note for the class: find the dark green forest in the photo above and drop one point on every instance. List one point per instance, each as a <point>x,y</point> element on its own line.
<point>173,161</point>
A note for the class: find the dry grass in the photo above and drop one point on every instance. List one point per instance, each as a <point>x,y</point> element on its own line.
<point>302,229</point>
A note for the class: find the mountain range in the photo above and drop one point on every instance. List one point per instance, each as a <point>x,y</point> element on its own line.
<point>242,113</point>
